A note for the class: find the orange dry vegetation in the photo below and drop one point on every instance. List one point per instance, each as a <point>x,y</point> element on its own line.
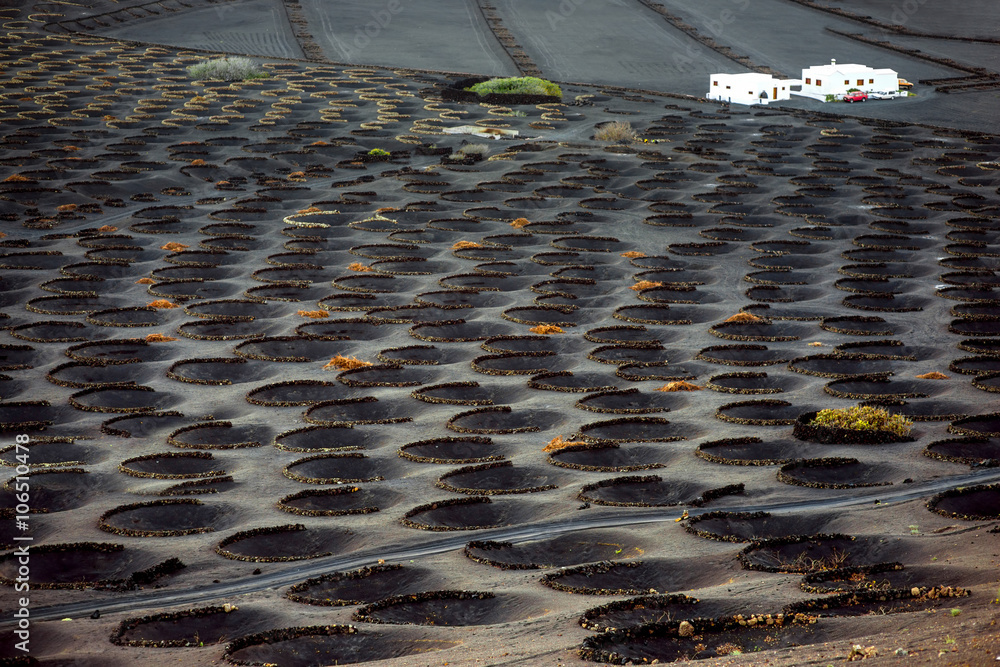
<point>66,207</point>
<point>816,344</point>
<point>644,284</point>
<point>633,253</point>
<point>319,143</point>
<point>933,375</point>
<point>557,443</point>
<point>343,363</point>
<point>679,385</point>
<point>314,314</point>
<point>70,149</point>
<point>158,338</point>
<point>520,222</point>
<point>297,174</point>
<point>197,163</point>
<point>546,329</point>
<point>107,228</point>
<point>311,209</point>
<point>16,178</point>
<point>173,246</point>
<point>386,209</point>
<point>145,281</point>
<point>466,244</point>
<point>162,303</point>
<point>743,317</point>
<point>358,266</point>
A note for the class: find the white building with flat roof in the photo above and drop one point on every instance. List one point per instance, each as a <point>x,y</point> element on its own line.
<point>819,81</point>
<point>748,88</point>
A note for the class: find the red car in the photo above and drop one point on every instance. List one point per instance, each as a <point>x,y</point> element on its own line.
<point>858,96</point>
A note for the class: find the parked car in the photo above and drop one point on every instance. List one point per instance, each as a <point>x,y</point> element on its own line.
<point>904,84</point>
<point>857,96</point>
<point>880,95</point>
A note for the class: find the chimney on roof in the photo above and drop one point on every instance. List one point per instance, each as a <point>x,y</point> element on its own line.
<point>833,61</point>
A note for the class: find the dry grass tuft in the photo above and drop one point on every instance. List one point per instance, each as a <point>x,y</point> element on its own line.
<point>679,385</point>
<point>65,208</point>
<point>163,304</point>
<point>933,375</point>
<point>107,229</point>
<point>197,163</point>
<point>145,281</point>
<point>320,143</point>
<point>297,176</point>
<point>816,344</point>
<point>633,253</point>
<point>158,338</point>
<point>173,246</point>
<point>16,178</point>
<point>342,363</point>
<point>466,244</point>
<point>313,314</point>
<point>546,329</point>
<point>311,209</point>
<point>557,443</point>
<point>645,284</point>
<point>744,317</point>
<point>358,266</point>
<point>618,132</point>
<point>520,222</point>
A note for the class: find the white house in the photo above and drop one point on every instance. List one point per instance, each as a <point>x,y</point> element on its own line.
<point>819,81</point>
<point>748,88</point>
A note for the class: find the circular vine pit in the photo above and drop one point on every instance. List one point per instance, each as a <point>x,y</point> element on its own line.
<point>286,543</point>
<point>364,585</point>
<point>470,513</point>
<point>980,502</point>
<point>318,645</point>
<point>453,450</point>
<point>60,489</point>
<point>451,608</point>
<point>357,412</point>
<point>497,478</point>
<point>662,642</point>
<point>608,457</point>
<point>578,548</point>
<point>750,451</point>
<point>805,554</point>
<point>338,501</point>
<point>636,429</point>
<point>636,577</point>
<point>190,628</point>
<point>652,491</point>
<point>86,565</point>
<point>754,526</point>
<point>219,435</point>
<point>642,610</point>
<point>835,472</point>
<point>172,465</point>
<point>296,392</point>
<point>164,518</point>
<point>352,468</point>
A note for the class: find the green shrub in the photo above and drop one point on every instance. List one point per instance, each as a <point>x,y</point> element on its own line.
<point>863,418</point>
<point>520,85</point>
<point>226,69</point>
<point>618,132</point>
<point>378,152</point>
